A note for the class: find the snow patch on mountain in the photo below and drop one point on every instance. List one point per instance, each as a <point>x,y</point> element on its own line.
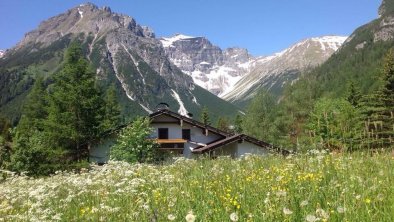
<point>80,12</point>
<point>182,110</point>
<point>283,67</point>
<point>210,67</point>
<point>168,42</point>
<point>146,109</point>
<point>2,53</point>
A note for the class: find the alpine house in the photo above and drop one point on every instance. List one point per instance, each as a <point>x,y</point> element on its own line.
<point>190,138</point>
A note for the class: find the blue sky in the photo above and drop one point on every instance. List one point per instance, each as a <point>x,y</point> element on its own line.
<point>261,26</point>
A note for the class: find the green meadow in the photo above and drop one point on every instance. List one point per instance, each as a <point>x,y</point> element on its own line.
<point>311,187</point>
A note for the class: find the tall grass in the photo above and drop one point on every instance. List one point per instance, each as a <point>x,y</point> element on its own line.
<point>314,187</point>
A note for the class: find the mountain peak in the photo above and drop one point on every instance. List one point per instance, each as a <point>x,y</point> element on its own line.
<point>87,19</point>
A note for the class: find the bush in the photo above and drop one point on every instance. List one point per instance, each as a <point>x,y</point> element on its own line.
<point>134,145</point>
<point>33,156</point>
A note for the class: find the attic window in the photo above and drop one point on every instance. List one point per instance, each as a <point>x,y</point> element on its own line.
<point>163,133</point>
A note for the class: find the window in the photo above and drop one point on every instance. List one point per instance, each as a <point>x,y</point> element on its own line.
<point>163,133</point>
<point>186,134</point>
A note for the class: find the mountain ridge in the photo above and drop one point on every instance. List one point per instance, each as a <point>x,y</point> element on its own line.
<point>121,51</point>
<point>273,72</point>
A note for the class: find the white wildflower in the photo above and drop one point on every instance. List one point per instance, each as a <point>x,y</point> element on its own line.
<point>171,217</point>
<point>311,218</point>
<point>234,217</point>
<point>341,210</point>
<point>190,217</point>
<point>281,193</point>
<point>304,203</point>
<point>321,213</point>
<point>287,211</point>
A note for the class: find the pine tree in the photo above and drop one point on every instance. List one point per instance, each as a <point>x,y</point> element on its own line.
<point>75,105</point>
<point>223,124</point>
<point>32,152</point>
<point>353,94</point>
<point>387,99</point>
<point>35,109</point>
<point>238,124</point>
<point>378,110</point>
<point>112,115</point>
<point>205,116</point>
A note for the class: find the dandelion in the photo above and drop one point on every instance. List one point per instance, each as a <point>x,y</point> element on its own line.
<point>341,210</point>
<point>234,217</point>
<point>311,218</point>
<point>368,201</point>
<point>190,217</point>
<point>287,211</point>
<point>171,217</point>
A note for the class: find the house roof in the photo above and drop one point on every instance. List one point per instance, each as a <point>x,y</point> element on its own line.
<point>190,121</point>
<point>228,137</point>
<point>238,138</point>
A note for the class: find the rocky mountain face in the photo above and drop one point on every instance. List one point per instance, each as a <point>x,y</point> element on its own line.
<point>121,51</point>
<point>386,8</point>
<point>210,67</point>
<point>273,72</point>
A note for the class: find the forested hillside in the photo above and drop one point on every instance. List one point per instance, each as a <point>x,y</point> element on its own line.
<point>345,102</point>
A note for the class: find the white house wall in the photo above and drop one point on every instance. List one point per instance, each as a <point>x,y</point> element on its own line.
<point>250,148</point>
<point>99,153</point>
<point>175,132</point>
<point>227,150</point>
<point>236,149</point>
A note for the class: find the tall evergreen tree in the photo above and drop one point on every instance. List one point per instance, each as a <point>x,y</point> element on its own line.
<point>353,94</point>
<point>378,109</point>
<point>32,152</point>
<point>75,104</point>
<point>112,115</point>
<point>205,116</point>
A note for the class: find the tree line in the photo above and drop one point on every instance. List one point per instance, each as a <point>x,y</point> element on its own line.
<point>60,119</point>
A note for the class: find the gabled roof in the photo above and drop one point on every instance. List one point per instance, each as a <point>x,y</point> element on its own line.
<point>190,121</point>
<point>238,138</point>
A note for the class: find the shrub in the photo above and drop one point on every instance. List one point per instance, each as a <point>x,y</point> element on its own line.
<point>134,145</point>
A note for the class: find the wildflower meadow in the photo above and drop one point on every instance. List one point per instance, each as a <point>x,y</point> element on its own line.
<point>313,187</point>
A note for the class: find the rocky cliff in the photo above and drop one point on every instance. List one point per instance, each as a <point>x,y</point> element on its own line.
<point>210,67</point>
